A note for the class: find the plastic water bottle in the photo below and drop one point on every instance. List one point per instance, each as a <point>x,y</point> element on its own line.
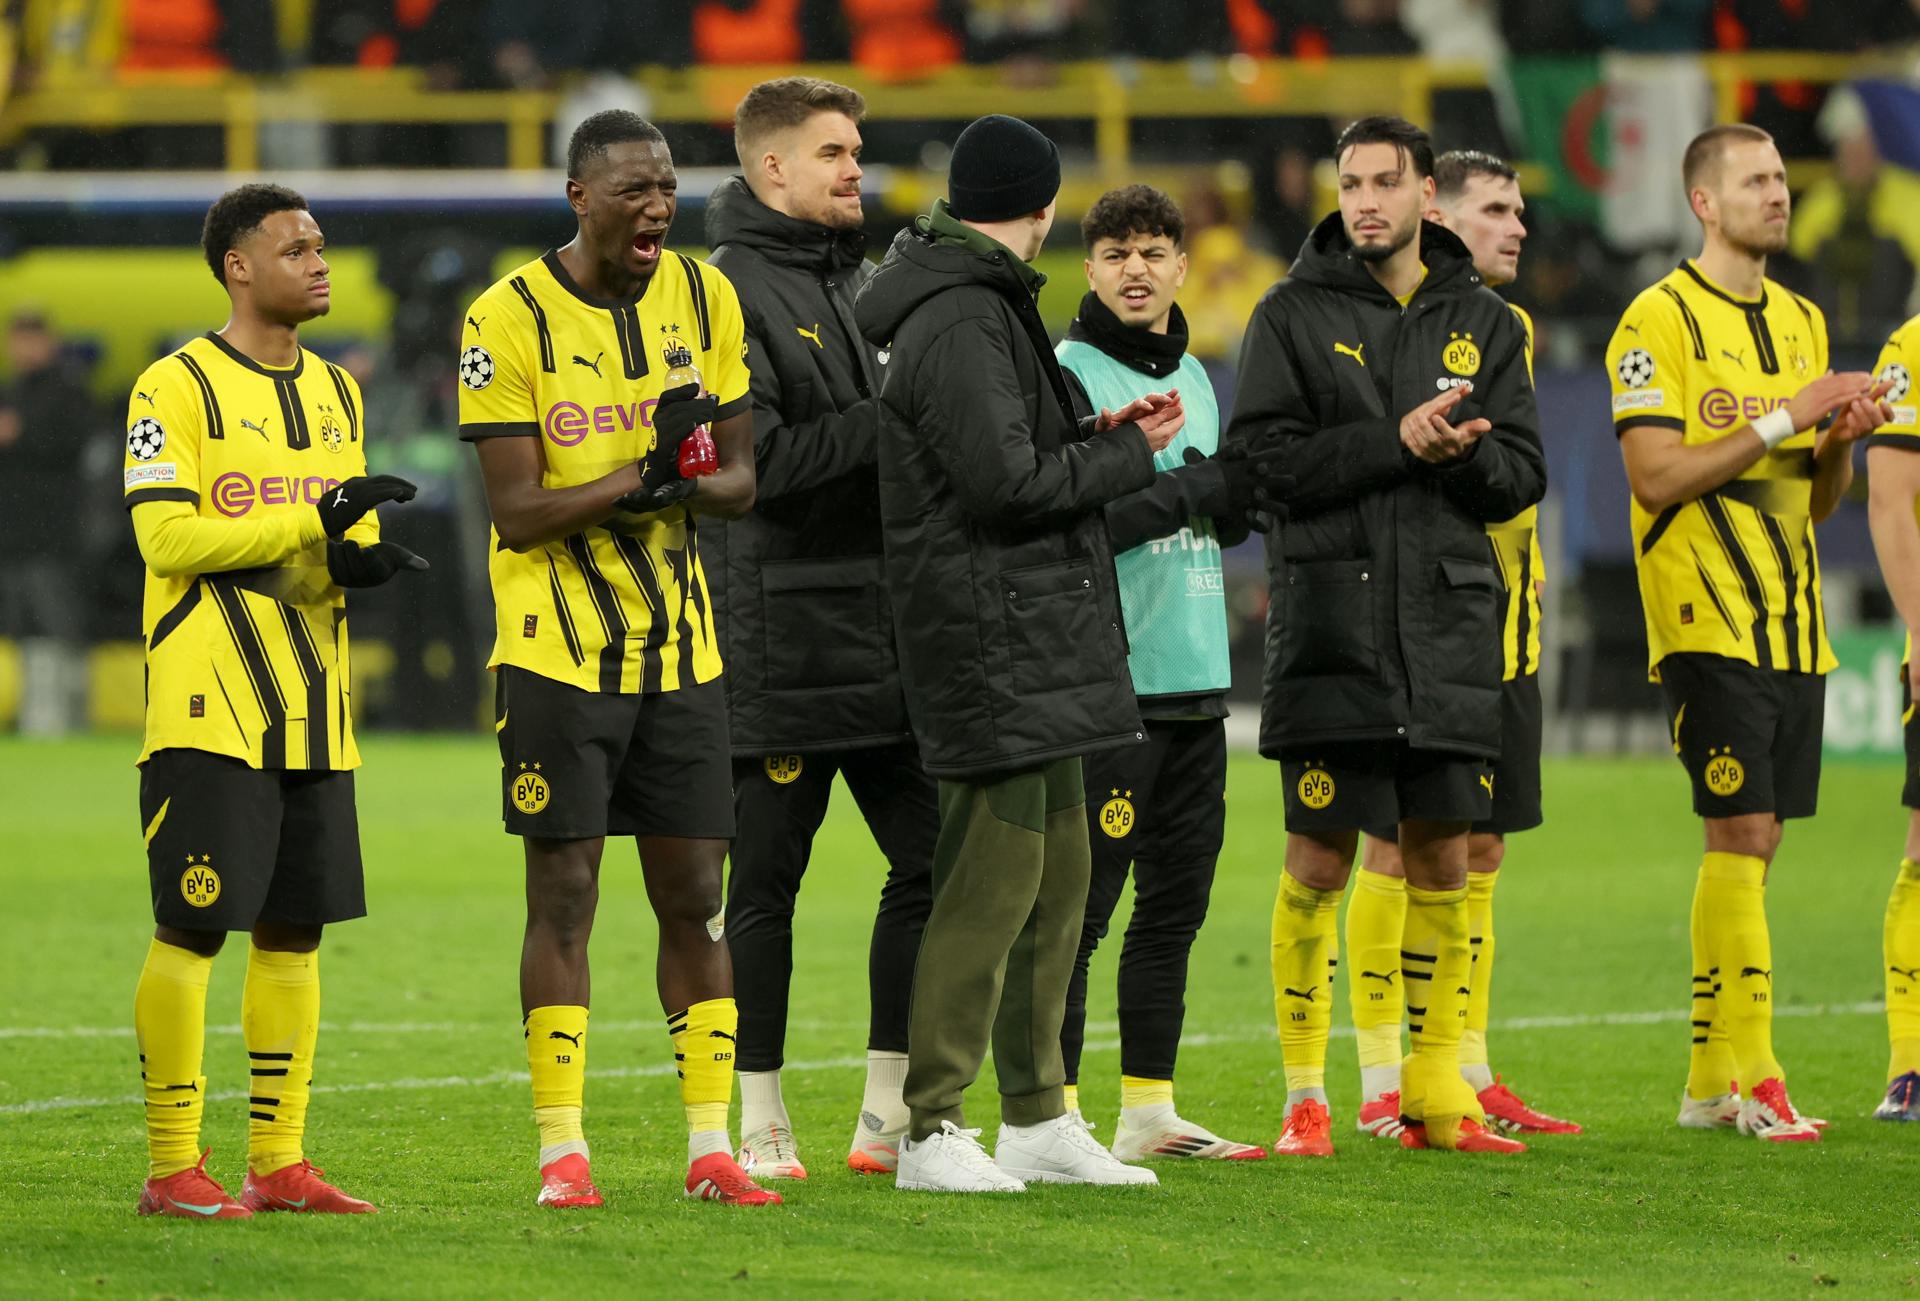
<point>698,456</point>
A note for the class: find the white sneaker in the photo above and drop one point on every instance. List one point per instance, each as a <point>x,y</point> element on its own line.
<point>1769,1116</point>
<point>769,1153</point>
<point>1063,1151</point>
<point>1721,1111</point>
<point>876,1145</point>
<point>1170,1136</point>
<point>951,1161</point>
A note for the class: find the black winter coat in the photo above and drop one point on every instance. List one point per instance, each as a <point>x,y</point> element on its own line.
<point>1002,579</point>
<point>1385,598</point>
<point>806,629</point>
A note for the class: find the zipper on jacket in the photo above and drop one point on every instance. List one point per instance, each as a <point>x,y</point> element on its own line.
<point>854,343</point>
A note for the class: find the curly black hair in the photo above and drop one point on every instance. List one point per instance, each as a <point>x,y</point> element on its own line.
<point>613,126</point>
<point>1403,135</point>
<point>237,214</point>
<point>1132,210</point>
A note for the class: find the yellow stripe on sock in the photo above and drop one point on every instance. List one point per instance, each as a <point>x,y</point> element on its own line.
<point>1138,1092</point>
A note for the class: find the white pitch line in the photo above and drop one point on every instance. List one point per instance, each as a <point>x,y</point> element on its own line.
<point>371,1027</point>
<point>1242,1035</point>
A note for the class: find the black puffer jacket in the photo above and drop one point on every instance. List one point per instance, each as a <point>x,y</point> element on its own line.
<point>997,557</point>
<point>1385,612</point>
<point>805,626</point>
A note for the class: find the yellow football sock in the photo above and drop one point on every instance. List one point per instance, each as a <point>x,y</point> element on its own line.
<point>1376,916</point>
<point>557,1061</point>
<point>1072,1092</point>
<point>1138,1092</point>
<point>1903,970</point>
<point>280,1020</point>
<point>1735,905</point>
<point>703,1037</point>
<point>1438,960</point>
<point>1710,1066</point>
<point>170,1025</point>
<point>1306,939</point>
<point>1473,1038</point>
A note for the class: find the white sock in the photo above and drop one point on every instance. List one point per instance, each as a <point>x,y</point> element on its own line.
<point>1154,1113</point>
<point>1297,1096</point>
<point>705,1142</point>
<point>552,1153</point>
<point>1378,1081</point>
<point>760,1101</point>
<point>883,1100</point>
<point>1477,1074</point>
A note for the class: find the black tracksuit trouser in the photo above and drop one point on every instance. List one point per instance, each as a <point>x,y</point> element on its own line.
<point>1161,809</point>
<point>779,803</point>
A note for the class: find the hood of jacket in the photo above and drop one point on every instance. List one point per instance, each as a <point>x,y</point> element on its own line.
<point>735,215</point>
<point>935,254</point>
<point>1327,259</point>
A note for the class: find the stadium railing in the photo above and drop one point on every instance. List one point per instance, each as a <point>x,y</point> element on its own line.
<point>1110,94</point>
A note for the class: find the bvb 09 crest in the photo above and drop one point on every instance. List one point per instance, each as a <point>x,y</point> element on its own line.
<point>1462,356</point>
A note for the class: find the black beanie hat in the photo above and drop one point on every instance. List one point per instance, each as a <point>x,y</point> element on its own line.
<point>1001,168</point>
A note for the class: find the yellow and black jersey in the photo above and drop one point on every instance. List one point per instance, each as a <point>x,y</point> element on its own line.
<point>246,635</point>
<point>621,606</point>
<point>1516,547</point>
<point>1734,572</point>
<point>1898,361</point>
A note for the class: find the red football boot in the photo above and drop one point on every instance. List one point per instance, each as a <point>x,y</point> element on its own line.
<point>1308,1132</point>
<point>566,1183</point>
<point>191,1194</point>
<point>1508,1114</point>
<point>717,1177</point>
<point>299,1187</point>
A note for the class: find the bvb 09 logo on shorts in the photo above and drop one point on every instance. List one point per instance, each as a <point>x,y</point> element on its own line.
<point>783,768</point>
<point>530,790</point>
<point>1316,788</point>
<point>1116,815</point>
<point>1725,774</point>
<point>200,884</point>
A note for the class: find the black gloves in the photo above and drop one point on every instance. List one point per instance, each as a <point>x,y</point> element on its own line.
<point>1252,485</point>
<point>344,505</point>
<point>679,412</point>
<point>351,565</point>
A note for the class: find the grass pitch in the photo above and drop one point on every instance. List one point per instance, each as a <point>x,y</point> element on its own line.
<point>421,1102</point>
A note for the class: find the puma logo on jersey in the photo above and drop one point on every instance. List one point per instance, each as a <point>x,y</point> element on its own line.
<point>1341,349</point>
<point>1486,783</point>
<point>475,324</point>
<point>593,365</point>
<point>813,334</point>
<point>260,429</point>
<point>1764,972</point>
<point>1294,993</point>
<point>1910,973</point>
<point>573,1039</point>
<point>146,397</point>
<point>1737,358</point>
<point>1385,978</point>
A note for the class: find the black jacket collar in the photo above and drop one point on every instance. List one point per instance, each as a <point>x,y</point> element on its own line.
<point>1157,355</point>
<point>1327,259</point>
<point>736,216</point>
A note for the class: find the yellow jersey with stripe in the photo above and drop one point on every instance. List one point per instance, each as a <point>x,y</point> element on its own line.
<point>1516,548</point>
<point>621,606</point>
<point>1734,572</point>
<point>1897,364</point>
<point>247,649</point>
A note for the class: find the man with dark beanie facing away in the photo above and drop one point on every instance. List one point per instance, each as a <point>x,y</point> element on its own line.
<point>1011,653</point>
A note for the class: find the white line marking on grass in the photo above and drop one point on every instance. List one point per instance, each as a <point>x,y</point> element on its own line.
<point>374,1027</point>
<point>1242,1035</point>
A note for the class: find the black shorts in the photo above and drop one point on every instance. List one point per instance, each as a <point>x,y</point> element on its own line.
<point>230,845</point>
<point>1369,784</point>
<point>578,765</point>
<point>1749,738</point>
<point>1516,773</point>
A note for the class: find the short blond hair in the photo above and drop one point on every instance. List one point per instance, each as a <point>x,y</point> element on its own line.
<point>784,103</point>
<point>1706,151</point>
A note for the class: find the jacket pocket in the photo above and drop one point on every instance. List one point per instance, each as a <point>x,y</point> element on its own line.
<point>1326,620</point>
<point>1055,636</point>
<point>1467,620</point>
<point>826,622</point>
